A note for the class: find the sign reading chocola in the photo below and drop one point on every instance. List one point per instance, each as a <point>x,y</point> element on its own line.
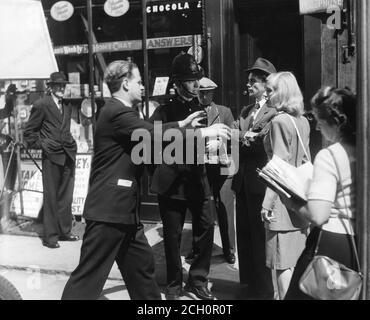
<point>173,6</point>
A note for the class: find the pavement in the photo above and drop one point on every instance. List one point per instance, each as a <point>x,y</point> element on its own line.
<point>40,273</point>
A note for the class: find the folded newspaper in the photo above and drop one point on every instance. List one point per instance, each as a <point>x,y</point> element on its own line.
<point>286,179</point>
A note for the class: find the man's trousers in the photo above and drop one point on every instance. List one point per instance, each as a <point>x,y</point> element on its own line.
<point>103,243</point>
<point>250,234</point>
<point>173,216</point>
<point>58,183</point>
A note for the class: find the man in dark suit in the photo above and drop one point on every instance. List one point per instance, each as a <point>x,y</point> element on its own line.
<point>113,228</point>
<point>220,183</point>
<point>253,125</point>
<point>181,187</point>
<point>48,128</point>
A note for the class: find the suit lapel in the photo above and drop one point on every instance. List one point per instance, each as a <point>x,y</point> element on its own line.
<point>212,114</point>
<point>54,109</point>
<point>244,122</point>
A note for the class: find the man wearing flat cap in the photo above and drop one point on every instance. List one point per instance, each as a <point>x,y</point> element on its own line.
<point>252,125</point>
<point>220,184</point>
<point>48,128</point>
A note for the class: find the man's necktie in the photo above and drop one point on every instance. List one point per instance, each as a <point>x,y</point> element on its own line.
<point>254,114</point>
<point>60,105</point>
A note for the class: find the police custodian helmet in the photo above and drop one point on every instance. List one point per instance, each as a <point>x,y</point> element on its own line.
<point>185,68</point>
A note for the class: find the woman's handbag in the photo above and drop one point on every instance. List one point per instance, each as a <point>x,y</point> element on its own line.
<point>327,279</point>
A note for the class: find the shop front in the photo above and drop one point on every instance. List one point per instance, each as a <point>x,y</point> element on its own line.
<point>226,36</point>
<point>117,33</point>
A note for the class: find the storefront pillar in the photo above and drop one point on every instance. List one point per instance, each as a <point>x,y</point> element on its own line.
<point>91,62</point>
<point>363,139</point>
<point>145,55</point>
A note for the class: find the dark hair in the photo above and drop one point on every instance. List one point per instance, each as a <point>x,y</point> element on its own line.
<point>116,71</point>
<point>337,106</point>
<point>260,74</point>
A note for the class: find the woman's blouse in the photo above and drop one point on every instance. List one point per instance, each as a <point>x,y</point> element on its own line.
<point>325,186</point>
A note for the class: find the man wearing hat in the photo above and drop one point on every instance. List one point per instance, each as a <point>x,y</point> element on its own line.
<point>184,186</point>
<point>48,128</point>
<point>220,184</point>
<point>253,125</point>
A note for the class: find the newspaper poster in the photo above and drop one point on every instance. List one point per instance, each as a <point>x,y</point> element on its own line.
<point>82,175</point>
<point>32,191</point>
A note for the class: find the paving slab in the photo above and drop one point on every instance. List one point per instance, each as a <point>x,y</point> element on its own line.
<point>23,256</point>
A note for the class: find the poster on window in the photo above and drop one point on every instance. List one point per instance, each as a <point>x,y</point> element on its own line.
<point>82,175</point>
<point>31,191</point>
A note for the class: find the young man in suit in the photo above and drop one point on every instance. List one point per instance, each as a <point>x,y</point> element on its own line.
<point>113,228</point>
<point>48,128</point>
<point>181,187</point>
<point>253,125</point>
<point>220,184</point>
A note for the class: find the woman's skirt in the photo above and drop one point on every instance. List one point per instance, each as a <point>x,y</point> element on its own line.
<point>283,248</point>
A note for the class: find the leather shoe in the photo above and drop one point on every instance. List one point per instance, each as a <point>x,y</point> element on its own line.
<point>230,258</point>
<point>69,237</point>
<point>191,255</point>
<point>201,292</point>
<point>51,245</point>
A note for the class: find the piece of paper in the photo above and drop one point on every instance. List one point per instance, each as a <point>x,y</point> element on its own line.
<point>74,77</point>
<point>293,180</point>
<point>160,86</point>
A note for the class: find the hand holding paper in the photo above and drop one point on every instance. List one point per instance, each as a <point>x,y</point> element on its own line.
<point>287,180</point>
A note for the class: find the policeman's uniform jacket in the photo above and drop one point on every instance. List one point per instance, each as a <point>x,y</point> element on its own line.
<point>179,181</point>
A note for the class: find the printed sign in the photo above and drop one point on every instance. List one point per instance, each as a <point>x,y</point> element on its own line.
<point>32,191</point>
<point>82,175</point>
<point>74,77</point>
<point>116,8</point>
<point>173,6</point>
<point>160,86</point>
<point>35,154</point>
<point>62,10</point>
<point>316,6</point>
<point>153,43</point>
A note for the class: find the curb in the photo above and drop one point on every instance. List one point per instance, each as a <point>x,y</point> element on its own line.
<point>32,269</point>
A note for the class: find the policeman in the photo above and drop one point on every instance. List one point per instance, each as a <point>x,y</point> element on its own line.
<point>184,186</point>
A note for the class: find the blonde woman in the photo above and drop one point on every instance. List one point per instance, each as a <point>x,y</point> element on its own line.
<point>288,138</point>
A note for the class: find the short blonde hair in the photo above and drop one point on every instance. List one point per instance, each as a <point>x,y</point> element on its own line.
<point>287,94</point>
<point>116,71</point>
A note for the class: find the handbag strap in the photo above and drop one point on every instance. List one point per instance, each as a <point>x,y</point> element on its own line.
<point>299,137</point>
<point>347,210</point>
